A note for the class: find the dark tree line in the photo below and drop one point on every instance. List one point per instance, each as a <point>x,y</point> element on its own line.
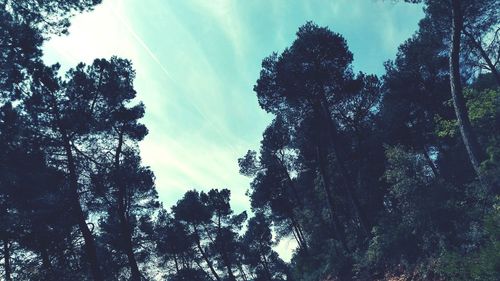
<point>372,177</point>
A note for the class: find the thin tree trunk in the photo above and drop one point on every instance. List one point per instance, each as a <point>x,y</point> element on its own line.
<point>295,193</point>
<point>201,268</point>
<point>347,181</point>
<point>222,251</point>
<point>204,255</point>
<point>298,203</point>
<point>227,263</point>
<point>122,215</point>
<point>134,269</point>
<point>6,263</point>
<point>329,198</point>
<point>295,235</point>
<point>301,234</point>
<point>242,271</point>
<point>90,246</point>
<point>468,137</point>
<point>176,263</point>
<point>298,233</point>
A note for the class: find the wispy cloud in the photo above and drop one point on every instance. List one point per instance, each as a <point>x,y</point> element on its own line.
<point>139,40</point>
<point>226,14</point>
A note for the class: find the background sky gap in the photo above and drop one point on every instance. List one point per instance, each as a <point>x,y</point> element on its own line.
<point>197,62</point>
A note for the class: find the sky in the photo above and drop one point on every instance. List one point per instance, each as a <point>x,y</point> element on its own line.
<point>196,62</point>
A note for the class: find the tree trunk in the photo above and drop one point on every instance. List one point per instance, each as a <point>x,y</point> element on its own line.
<point>299,236</point>
<point>6,263</point>
<point>468,137</point>
<point>122,215</point>
<point>134,268</point>
<point>347,181</point>
<point>223,252</point>
<point>242,272</point>
<point>329,198</point>
<point>200,267</point>
<point>90,247</point>
<point>176,264</point>
<point>291,184</point>
<point>204,255</point>
<point>298,203</point>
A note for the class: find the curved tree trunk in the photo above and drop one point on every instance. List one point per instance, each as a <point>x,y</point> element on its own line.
<point>470,141</point>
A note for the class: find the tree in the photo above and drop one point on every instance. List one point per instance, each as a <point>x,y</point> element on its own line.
<point>224,228</point>
<point>33,194</point>
<point>273,187</point>
<point>416,90</point>
<point>307,79</point>
<point>47,16</point>
<point>24,27</point>
<point>74,117</point>
<point>470,141</point>
<point>194,215</point>
<point>480,16</point>
<point>262,260</point>
<point>131,203</point>
<point>213,228</point>
<point>175,246</point>
<point>121,182</point>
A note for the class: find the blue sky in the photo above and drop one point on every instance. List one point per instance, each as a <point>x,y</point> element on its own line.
<point>197,62</point>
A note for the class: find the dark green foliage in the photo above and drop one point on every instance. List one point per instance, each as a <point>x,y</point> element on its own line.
<point>482,263</point>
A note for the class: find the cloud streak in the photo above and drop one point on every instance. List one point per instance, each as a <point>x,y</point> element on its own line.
<point>141,43</point>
